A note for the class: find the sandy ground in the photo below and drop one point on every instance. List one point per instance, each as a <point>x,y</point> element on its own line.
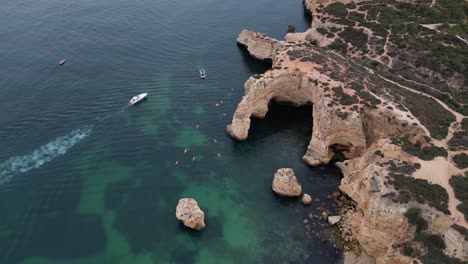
<point>363,258</point>
<point>439,171</point>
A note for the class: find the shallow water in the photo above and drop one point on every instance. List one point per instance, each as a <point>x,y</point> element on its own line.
<point>84,179</point>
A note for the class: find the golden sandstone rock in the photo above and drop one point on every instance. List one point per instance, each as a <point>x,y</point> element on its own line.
<point>351,114</point>
<point>285,183</point>
<point>190,214</point>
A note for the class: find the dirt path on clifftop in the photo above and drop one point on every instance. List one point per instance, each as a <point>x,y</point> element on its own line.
<point>440,169</point>
<point>458,116</point>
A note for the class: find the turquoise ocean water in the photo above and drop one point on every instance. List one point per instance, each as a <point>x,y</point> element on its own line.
<point>84,179</point>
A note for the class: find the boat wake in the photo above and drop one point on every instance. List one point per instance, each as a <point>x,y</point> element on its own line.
<point>41,155</point>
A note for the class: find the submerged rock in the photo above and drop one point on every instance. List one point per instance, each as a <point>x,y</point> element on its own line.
<point>285,183</point>
<point>324,216</point>
<point>190,214</point>
<point>306,199</point>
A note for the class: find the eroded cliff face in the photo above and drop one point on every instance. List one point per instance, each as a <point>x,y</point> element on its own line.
<point>391,144</point>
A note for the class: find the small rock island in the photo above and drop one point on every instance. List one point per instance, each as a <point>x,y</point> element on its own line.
<point>190,214</point>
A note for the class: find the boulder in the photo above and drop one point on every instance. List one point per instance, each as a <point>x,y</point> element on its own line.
<point>332,220</point>
<point>285,183</point>
<point>306,199</point>
<point>190,214</point>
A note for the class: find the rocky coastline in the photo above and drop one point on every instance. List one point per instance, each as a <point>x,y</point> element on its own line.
<point>399,165</point>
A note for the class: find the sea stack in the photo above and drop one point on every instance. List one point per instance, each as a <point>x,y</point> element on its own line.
<point>190,214</point>
<point>285,183</point>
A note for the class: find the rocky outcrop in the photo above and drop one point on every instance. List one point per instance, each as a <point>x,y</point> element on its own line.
<point>380,123</point>
<point>259,45</point>
<point>297,83</point>
<point>332,220</point>
<point>190,214</point>
<point>281,86</point>
<point>366,181</point>
<point>285,183</point>
<point>375,215</point>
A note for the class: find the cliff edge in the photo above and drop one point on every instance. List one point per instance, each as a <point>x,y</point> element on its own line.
<point>404,135</point>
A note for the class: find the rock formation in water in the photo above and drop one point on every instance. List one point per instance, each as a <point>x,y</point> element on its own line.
<point>285,183</point>
<point>399,119</point>
<point>306,199</point>
<point>190,214</point>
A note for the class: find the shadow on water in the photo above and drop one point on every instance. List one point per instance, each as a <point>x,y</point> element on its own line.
<point>281,117</point>
<point>254,66</point>
<point>307,17</point>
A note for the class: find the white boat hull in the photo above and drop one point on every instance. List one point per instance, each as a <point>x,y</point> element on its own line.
<point>137,99</point>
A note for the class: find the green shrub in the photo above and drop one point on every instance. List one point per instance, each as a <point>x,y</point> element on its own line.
<point>408,251</point>
<point>339,45</point>
<point>425,153</point>
<point>459,184</point>
<point>337,9</point>
<point>463,208</point>
<point>356,37</point>
<point>422,191</point>
<point>379,153</point>
<point>459,140</point>
<point>436,256</point>
<point>414,217</point>
<point>358,17</point>
<point>462,230</point>
<point>322,31</point>
<point>434,241</point>
<point>461,160</point>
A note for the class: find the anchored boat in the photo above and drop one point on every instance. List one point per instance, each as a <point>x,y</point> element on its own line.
<point>138,98</point>
<point>202,74</point>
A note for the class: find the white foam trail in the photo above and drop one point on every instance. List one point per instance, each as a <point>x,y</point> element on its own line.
<point>43,154</point>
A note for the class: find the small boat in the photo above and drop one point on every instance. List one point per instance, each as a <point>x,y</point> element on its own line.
<point>202,74</point>
<point>138,98</point>
<point>62,61</point>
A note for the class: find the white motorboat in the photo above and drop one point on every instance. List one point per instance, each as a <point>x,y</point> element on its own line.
<point>138,98</point>
<point>202,74</point>
<point>62,61</point>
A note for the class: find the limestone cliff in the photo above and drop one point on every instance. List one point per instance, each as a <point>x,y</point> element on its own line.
<point>399,164</point>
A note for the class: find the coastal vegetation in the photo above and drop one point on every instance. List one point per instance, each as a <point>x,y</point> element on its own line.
<point>426,43</point>
<point>461,160</point>
<point>414,218</point>
<point>419,190</point>
<point>459,140</point>
<point>433,244</point>
<point>462,230</point>
<point>459,184</point>
<point>416,149</point>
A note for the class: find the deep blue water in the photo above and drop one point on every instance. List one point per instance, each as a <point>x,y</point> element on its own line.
<point>84,179</point>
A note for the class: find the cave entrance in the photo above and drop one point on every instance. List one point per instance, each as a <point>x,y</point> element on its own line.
<point>293,122</point>
<point>340,151</point>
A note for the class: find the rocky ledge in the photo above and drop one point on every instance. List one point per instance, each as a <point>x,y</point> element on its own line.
<point>403,143</point>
